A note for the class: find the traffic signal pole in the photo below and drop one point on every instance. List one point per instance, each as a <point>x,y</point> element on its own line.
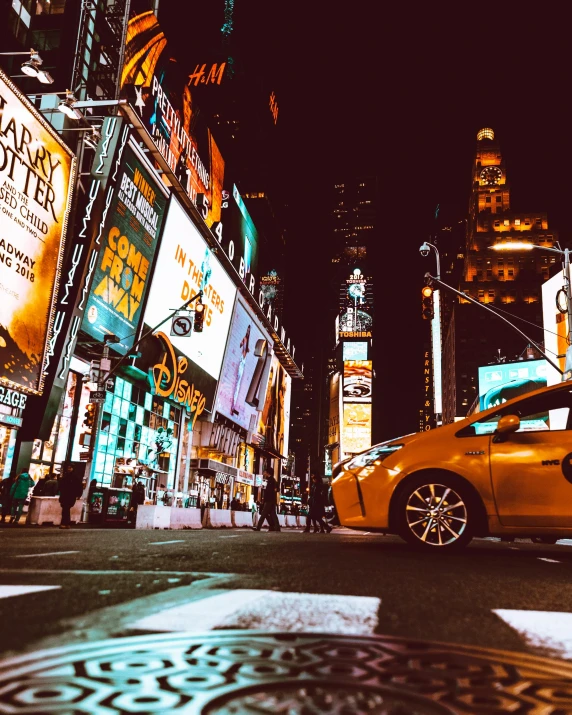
<point>431,279</point>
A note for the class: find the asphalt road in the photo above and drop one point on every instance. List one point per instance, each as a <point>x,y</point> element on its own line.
<point>105,581</point>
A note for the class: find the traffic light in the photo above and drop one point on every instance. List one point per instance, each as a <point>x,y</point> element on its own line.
<point>427,294</point>
<point>89,416</point>
<point>199,316</point>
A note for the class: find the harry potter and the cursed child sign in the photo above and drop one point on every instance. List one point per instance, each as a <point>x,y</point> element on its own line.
<point>37,172</point>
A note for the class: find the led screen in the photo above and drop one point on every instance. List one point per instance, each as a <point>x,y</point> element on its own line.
<point>244,359</point>
<point>354,351</point>
<point>502,382</point>
<point>356,428</point>
<point>36,177</point>
<point>184,266</point>
<point>129,240</point>
<point>357,381</point>
<point>274,419</point>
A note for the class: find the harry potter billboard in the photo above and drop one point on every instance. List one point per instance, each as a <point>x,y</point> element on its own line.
<point>37,172</point>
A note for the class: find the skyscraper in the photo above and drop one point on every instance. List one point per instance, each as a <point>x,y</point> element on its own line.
<point>507,280</point>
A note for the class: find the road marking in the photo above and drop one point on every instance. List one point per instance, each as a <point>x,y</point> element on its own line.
<point>160,543</point>
<point>230,536</point>
<point>550,631</point>
<point>48,553</point>
<point>252,609</point>
<point>565,542</point>
<point>550,561</point>
<point>9,591</point>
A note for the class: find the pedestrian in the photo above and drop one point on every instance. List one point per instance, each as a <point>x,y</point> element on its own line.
<point>269,499</point>
<point>5,488</point>
<point>51,487</point>
<point>19,493</point>
<point>40,488</point>
<point>317,507</point>
<point>137,498</point>
<point>71,488</point>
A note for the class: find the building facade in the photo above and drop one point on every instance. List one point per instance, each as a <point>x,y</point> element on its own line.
<point>497,271</point>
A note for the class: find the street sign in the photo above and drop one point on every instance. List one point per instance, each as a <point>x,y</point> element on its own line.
<point>97,396</point>
<point>182,325</point>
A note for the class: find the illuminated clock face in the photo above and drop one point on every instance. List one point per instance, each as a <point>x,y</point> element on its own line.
<point>491,175</point>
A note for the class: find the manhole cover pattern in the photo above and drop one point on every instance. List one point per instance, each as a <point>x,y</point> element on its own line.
<point>283,674</point>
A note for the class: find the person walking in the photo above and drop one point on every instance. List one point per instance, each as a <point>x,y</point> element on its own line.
<point>5,488</point>
<point>269,498</point>
<point>71,488</point>
<point>137,498</point>
<point>19,493</point>
<point>317,507</point>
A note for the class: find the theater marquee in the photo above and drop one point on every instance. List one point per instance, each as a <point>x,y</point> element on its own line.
<point>36,179</point>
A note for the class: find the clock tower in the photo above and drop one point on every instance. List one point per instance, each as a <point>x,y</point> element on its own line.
<point>508,279</point>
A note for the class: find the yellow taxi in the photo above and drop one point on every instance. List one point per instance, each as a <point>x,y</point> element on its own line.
<point>504,472</point>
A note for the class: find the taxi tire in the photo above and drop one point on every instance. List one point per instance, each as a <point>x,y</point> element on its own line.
<point>446,480</point>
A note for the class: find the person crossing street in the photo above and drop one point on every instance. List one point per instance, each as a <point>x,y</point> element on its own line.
<point>269,504</point>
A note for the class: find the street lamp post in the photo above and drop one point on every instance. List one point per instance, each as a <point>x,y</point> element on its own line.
<point>436,345</point>
<point>565,253</point>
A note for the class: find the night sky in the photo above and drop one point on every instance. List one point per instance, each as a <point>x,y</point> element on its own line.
<point>399,92</point>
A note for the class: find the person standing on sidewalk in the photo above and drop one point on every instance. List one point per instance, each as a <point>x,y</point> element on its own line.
<point>71,488</point>
<point>269,503</point>
<point>317,506</point>
<point>5,488</point>
<point>19,494</point>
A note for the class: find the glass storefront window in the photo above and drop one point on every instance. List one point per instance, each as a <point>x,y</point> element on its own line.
<point>7,442</point>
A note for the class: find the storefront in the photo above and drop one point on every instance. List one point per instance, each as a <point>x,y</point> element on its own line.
<point>138,439</point>
<point>12,405</point>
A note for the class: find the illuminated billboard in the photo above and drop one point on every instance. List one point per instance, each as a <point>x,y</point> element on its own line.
<point>243,366</point>
<point>354,350</point>
<point>37,173</point>
<point>274,421</point>
<point>504,381</point>
<point>356,427</point>
<point>185,265</point>
<point>355,323</point>
<point>129,240</point>
<point>238,235</point>
<point>357,381</point>
<point>159,90</point>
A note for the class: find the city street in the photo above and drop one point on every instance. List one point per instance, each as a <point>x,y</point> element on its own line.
<point>101,583</point>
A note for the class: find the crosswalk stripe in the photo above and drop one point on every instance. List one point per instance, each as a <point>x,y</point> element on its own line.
<point>550,631</point>
<point>9,591</point>
<point>252,609</point>
<point>160,543</point>
<point>549,561</point>
<point>48,553</point>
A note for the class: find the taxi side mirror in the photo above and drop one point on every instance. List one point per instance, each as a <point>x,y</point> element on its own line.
<point>506,425</point>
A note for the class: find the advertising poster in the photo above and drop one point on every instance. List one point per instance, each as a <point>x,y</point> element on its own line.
<point>357,380</point>
<point>160,91</point>
<point>129,241</point>
<point>37,173</point>
<point>356,428</point>
<point>238,235</point>
<point>274,420</point>
<point>184,266</point>
<point>354,350</point>
<point>502,382</point>
<point>244,360</point>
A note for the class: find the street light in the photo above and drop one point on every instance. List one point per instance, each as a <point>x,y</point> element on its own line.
<point>32,67</point>
<point>523,246</point>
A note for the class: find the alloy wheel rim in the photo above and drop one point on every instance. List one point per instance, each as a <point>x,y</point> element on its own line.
<point>436,514</point>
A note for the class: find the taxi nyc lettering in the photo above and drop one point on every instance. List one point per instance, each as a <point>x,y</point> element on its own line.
<point>126,269</point>
<point>167,381</point>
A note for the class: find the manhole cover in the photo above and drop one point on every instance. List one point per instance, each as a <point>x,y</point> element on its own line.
<point>282,674</point>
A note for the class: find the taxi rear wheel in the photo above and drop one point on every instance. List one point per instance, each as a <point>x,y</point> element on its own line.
<point>435,513</point>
